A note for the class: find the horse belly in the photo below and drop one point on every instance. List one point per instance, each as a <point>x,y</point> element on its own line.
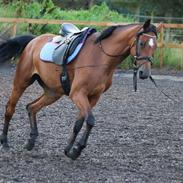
<point>49,74</point>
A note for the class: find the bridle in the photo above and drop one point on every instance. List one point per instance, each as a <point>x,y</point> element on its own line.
<point>137,42</point>
<point>147,59</point>
<point>138,56</point>
<point>109,55</point>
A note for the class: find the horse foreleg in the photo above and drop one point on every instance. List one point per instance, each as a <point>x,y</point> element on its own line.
<point>33,124</point>
<point>32,110</point>
<point>90,122</point>
<point>85,105</point>
<point>77,127</point>
<point>76,150</point>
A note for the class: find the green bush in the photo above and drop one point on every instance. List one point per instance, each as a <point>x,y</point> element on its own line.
<point>33,10</point>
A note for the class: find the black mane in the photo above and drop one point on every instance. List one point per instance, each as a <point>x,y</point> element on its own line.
<point>106,33</point>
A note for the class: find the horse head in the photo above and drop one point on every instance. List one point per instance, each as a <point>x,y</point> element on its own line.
<point>143,49</point>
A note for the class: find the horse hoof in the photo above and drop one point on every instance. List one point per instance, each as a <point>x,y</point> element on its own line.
<point>30,145</point>
<point>74,152</point>
<point>5,146</point>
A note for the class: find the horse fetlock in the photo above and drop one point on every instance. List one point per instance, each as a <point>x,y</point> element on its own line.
<point>67,149</point>
<point>34,134</point>
<point>30,144</point>
<point>4,140</point>
<point>81,144</point>
<point>75,152</point>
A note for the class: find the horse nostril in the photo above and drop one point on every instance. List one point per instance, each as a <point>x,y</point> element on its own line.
<point>142,75</point>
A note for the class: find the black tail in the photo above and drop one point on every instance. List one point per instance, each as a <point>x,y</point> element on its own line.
<point>14,47</point>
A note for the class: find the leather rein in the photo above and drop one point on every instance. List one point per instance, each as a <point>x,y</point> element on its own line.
<point>136,58</point>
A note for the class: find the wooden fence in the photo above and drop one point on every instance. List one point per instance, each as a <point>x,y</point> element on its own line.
<point>161,43</point>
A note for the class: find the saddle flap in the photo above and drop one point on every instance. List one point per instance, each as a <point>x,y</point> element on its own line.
<point>59,55</point>
<point>63,52</point>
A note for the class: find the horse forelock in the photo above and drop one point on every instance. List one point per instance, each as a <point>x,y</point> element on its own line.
<point>150,28</point>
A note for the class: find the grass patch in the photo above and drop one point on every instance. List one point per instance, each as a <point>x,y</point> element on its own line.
<point>172,58</point>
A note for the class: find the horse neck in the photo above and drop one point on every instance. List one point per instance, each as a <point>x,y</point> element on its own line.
<point>122,38</point>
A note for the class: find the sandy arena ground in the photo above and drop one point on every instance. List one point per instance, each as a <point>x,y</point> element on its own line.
<point>138,137</point>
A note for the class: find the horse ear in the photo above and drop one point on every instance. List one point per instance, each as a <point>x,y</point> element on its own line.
<point>159,27</point>
<point>147,24</point>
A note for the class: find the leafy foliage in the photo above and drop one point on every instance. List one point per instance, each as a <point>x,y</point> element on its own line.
<point>47,10</point>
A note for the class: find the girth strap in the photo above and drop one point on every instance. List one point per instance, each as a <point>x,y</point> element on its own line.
<point>64,78</point>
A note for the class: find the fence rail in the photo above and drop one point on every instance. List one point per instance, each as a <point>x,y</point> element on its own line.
<point>161,43</point>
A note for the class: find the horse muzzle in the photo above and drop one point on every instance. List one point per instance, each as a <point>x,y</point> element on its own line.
<point>143,75</point>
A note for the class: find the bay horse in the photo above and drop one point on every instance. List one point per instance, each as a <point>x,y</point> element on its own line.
<point>90,74</point>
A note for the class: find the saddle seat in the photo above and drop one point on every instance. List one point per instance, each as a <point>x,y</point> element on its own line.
<point>68,28</point>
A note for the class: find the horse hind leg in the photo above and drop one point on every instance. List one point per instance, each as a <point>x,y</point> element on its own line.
<point>32,110</point>
<point>21,82</point>
<point>10,109</point>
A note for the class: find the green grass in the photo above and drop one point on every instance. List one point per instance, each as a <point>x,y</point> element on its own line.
<point>172,58</point>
